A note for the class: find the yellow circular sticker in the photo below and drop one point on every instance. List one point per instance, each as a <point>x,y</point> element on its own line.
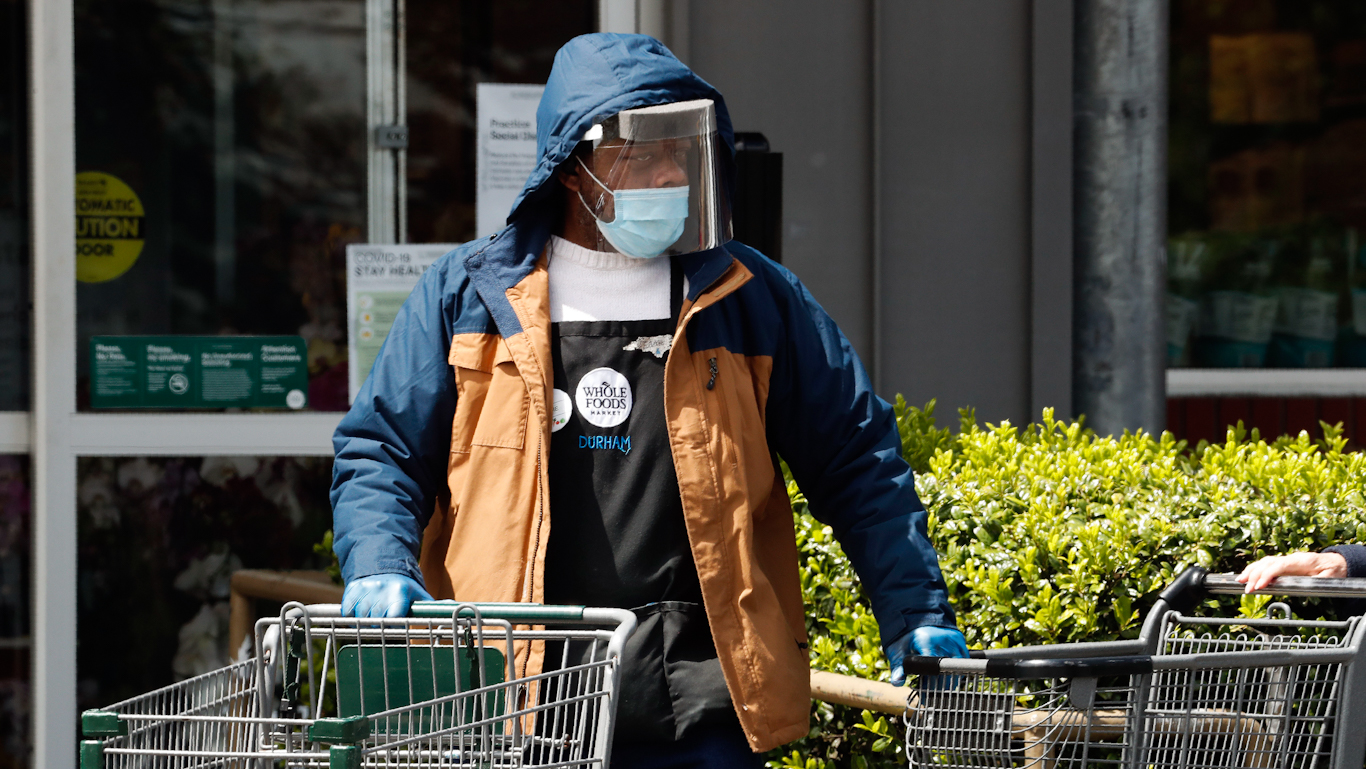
<point>109,221</point>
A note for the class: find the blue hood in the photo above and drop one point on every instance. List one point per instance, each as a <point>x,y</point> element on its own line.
<point>594,77</point>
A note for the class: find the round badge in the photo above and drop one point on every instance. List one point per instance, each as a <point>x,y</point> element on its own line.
<point>564,406</point>
<point>178,384</point>
<point>603,397</point>
<point>295,399</point>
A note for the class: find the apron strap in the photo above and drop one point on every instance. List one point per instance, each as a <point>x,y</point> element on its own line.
<point>659,607</point>
<point>675,289</point>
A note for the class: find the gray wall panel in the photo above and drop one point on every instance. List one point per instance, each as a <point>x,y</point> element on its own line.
<point>955,196</point>
<point>1051,218</point>
<point>956,204</point>
<point>799,72</point>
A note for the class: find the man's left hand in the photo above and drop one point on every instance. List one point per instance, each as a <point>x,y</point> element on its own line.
<point>928,641</point>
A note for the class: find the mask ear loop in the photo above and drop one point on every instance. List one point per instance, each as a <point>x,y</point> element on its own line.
<point>587,207</point>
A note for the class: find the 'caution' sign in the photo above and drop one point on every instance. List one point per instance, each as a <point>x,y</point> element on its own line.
<point>109,227</point>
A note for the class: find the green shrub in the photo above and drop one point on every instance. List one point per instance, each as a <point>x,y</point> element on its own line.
<point>1051,534</point>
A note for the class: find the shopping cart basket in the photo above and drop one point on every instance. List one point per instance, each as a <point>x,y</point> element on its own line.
<point>446,687</point>
<point>1191,691</point>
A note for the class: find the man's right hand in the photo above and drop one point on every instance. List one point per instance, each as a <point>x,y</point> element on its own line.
<point>1260,574</point>
<point>382,595</point>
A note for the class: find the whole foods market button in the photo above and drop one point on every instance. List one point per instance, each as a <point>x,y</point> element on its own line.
<point>563,408</point>
<point>603,397</point>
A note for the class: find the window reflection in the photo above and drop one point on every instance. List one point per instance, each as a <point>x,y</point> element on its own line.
<point>14,259</point>
<point>1267,184</point>
<point>452,46</point>
<point>16,721</point>
<point>159,539</point>
<point>240,126</point>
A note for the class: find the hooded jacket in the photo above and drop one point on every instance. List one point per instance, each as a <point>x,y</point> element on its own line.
<point>441,463</point>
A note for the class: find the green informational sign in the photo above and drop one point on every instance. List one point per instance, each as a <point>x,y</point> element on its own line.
<point>374,316</point>
<point>378,281</point>
<point>198,372</point>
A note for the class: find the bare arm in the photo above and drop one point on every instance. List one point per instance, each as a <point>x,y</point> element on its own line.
<point>1260,574</point>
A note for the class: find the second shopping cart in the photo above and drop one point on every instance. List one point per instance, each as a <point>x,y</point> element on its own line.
<point>1192,691</point>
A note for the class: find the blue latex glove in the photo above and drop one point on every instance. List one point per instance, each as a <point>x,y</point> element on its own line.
<point>382,595</point>
<point>928,641</point>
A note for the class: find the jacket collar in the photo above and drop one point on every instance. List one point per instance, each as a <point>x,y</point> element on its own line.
<point>704,268</point>
<point>500,262</point>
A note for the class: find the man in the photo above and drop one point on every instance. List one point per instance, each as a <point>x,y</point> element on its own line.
<point>588,407</point>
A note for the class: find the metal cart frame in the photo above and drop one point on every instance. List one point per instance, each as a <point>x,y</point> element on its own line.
<point>447,686</point>
<point>1190,691</point>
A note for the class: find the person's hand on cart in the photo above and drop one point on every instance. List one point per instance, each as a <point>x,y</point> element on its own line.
<point>1260,574</point>
<point>928,641</point>
<point>382,595</point>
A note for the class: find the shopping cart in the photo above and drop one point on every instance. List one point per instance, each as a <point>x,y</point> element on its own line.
<point>446,687</point>
<point>1191,691</point>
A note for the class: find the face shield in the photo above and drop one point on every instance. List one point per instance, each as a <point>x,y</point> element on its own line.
<point>653,182</point>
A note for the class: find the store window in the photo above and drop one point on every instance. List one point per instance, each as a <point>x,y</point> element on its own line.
<point>15,641</point>
<point>221,151</point>
<point>229,138</point>
<point>159,539</point>
<point>1267,196</point>
<point>451,48</point>
<point>14,255</point>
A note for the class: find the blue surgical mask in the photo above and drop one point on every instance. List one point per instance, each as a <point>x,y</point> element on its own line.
<point>647,220</point>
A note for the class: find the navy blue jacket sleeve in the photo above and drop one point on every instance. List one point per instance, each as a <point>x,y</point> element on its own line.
<point>1356,567</point>
<point>1355,555</point>
<point>841,443</point>
<point>392,446</point>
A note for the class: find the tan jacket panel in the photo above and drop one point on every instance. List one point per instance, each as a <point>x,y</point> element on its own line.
<point>744,547</point>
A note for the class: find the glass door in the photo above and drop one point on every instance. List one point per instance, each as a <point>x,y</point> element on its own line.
<point>227,152</point>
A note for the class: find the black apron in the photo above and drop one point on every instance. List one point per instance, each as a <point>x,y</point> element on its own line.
<point>617,536</point>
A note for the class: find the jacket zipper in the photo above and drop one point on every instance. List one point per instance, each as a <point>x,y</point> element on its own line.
<point>536,542</point>
<point>527,594</point>
<point>540,518</point>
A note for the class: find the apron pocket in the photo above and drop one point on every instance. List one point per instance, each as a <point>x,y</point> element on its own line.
<point>698,687</point>
<point>671,679</point>
<point>645,709</point>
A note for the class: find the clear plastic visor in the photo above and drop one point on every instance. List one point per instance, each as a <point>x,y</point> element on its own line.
<point>653,181</point>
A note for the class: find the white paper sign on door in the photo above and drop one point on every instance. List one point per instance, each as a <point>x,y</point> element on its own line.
<point>378,281</point>
<point>505,149</point>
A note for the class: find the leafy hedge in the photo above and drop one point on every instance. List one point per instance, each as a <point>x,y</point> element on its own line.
<point>1051,534</point>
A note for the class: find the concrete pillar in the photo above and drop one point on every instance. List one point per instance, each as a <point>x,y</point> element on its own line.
<point>1119,207</point>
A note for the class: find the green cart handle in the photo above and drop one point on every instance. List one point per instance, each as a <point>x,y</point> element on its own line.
<point>521,613</point>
